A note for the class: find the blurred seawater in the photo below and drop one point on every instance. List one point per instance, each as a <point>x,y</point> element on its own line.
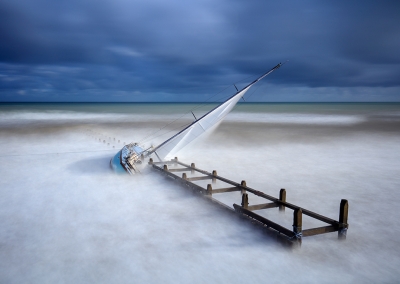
<point>67,218</point>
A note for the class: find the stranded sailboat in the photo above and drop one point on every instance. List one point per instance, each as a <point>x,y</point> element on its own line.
<point>130,157</point>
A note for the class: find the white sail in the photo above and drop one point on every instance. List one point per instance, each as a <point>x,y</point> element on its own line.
<point>206,123</point>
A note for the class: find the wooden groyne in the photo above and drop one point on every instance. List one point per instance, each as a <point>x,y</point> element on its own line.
<point>244,209</point>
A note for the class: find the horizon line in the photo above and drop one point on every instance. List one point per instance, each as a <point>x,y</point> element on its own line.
<point>194,102</point>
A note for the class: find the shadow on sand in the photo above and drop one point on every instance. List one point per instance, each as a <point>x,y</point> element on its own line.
<point>94,166</point>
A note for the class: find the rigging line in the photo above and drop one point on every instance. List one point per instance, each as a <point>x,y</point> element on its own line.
<point>179,127</point>
<point>207,100</point>
<point>52,153</point>
<point>191,111</point>
<point>226,105</point>
<point>194,108</point>
<point>226,96</point>
<point>171,122</point>
<point>152,136</point>
<point>162,128</point>
<point>255,90</point>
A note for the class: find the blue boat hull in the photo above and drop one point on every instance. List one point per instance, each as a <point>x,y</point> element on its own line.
<point>116,165</point>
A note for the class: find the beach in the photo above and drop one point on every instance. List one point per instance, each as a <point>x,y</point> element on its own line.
<point>67,218</point>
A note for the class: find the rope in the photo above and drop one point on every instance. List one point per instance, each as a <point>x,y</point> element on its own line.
<point>255,90</point>
<point>37,154</point>
<point>151,135</point>
<point>297,235</point>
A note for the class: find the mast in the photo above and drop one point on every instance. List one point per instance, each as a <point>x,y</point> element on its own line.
<point>208,121</point>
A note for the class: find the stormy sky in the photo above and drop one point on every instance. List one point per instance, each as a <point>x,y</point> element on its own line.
<point>138,51</point>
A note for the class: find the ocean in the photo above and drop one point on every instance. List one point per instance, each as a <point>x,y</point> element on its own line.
<point>66,218</point>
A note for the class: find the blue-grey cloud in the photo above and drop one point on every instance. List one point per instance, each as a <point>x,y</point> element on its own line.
<point>157,50</point>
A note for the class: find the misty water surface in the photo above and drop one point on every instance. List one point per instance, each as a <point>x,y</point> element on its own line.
<point>67,219</point>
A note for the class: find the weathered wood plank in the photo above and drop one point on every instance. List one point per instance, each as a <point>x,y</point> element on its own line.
<point>198,178</point>
<point>187,182</point>
<point>180,170</point>
<point>196,187</point>
<point>262,206</point>
<point>265,221</point>
<point>225,189</point>
<point>298,223</point>
<point>319,230</point>
<point>266,196</point>
<point>282,197</point>
<point>269,197</point>
<point>163,163</point>
<point>343,216</point>
<point>245,200</point>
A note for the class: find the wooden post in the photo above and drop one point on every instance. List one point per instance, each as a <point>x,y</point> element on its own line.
<point>166,168</point>
<point>209,189</point>
<point>245,200</point>
<point>282,197</point>
<point>243,183</point>
<point>297,223</point>
<point>192,166</point>
<point>343,216</point>
<point>150,161</point>
<point>214,173</point>
<point>184,176</point>
<point>176,160</point>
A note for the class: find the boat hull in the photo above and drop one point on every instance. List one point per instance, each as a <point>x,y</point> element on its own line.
<point>116,164</point>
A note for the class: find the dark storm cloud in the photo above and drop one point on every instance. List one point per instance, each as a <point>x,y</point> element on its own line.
<point>158,50</point>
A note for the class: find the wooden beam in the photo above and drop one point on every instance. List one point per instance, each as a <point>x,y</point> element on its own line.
<point>245,200</point>
<point>266,196</point>
<point>340,226</point>
<point>214,173</point>
<point>344,211</point>
<point>298,223</point>
<point>282,198</point>
<point>243,186</point>
<point>209,189</point>
<point>198,178</point>
<point>262,206</point>
<point>180,170</point>
<point>182,179</point>
<point>163,163</point>
<point>319,230</point>
<point>265,221</point>
<point>343,216</point>
<point>225,189</point>
<point>196,187</point>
